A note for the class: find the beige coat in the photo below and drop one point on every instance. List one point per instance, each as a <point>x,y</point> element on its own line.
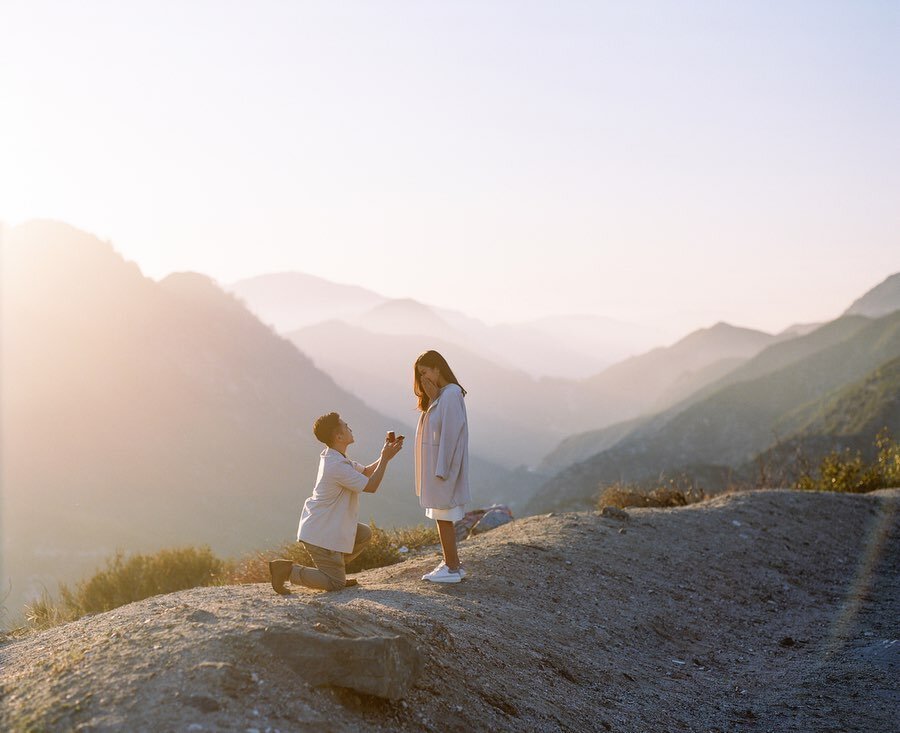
<point>442,452</point>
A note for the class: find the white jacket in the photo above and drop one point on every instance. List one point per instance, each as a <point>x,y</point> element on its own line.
<point>442,451</point>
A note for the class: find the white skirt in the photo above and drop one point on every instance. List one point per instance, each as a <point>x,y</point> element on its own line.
<point>453,514</point>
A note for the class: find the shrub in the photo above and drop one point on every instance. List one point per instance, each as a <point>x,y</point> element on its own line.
<point>128,579</point>
<point>846,471</point>
<point>44,613</point>
<point>629,495</point>
<point>384,549</point>
<point>125,580</point>
<point>888,461</point>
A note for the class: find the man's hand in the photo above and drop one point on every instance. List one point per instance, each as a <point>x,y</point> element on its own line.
<point>391,448</point>
<point>431,389</point>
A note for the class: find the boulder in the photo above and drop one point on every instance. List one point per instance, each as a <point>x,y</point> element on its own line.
<point>493,518</point>
<point>466,526</point>
<point>383,666</point>
<point>613,512</point>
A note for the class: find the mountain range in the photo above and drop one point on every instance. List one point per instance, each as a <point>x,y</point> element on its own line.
<point>786,349</point>
<point>142,414</point>
<point>721,432</point>
<point>572,347</point>
<point>503,401</point>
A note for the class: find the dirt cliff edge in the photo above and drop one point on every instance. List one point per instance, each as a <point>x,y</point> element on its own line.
<point>771,610</point>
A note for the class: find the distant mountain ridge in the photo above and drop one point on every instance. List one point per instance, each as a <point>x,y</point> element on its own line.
<point>661,379</point>
<point>292,300</point>
<point>503,402</point>
<point>881,300</point>
<point>783,352</point>
<point>652,381</point>
<point>738,418</point>
<point>556,346</point>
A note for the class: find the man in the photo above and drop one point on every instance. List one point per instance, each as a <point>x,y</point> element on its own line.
<point>328,524</point>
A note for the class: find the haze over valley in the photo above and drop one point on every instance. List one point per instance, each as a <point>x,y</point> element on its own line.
<point>140,414</point>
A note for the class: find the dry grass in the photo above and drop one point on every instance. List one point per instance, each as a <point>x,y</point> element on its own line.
<point>128,579</point>
<point>627,495</point>
<point>384,549</point>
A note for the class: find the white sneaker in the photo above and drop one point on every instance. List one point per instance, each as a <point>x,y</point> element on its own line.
<point>443,574</point>
<point>427,576</point>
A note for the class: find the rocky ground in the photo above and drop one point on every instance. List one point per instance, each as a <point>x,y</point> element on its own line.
<point>765,611</point>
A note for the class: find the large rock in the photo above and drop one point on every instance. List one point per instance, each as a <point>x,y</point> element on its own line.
<point>384,666</point>
<point>613,512</point>
<point>494,517</point>
<point>482,520</point>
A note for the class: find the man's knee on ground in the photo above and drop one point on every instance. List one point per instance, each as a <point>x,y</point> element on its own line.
<point>336,583</point>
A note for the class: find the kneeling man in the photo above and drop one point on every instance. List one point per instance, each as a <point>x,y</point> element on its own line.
<point>328,524</point>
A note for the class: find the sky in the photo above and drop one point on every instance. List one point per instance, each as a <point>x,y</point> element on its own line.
<point>672,164</point>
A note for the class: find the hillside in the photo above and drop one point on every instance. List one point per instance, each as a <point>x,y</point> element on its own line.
<point>657,385</point>
<point>653,381</point>
<point>141,414</point>
<point>861,408</point>
<point>581,446</point>
<point>881,300</point>
<point>733,424</point>
<point>850,418</point>
<point>754,612</point>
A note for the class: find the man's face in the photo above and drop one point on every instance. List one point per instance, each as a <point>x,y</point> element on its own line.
<point>345,434</point>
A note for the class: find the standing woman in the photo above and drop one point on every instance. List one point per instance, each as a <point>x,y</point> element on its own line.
<point>442,456</point>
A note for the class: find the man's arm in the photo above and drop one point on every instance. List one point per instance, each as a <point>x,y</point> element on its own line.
<point>370,469</point>
<point>378,468</point>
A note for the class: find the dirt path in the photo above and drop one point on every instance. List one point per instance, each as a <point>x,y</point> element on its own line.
<point>767,611</point>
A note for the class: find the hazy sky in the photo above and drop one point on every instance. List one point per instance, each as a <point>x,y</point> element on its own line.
<point>673,163</point>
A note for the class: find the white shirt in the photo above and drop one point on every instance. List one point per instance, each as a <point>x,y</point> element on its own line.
<point>330,515</point>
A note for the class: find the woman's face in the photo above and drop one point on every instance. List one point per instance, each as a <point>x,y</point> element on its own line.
<point>432,373</point>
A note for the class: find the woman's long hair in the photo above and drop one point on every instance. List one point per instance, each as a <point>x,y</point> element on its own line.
<point>431,359</point>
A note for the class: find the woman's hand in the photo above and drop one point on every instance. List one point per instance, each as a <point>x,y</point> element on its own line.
<point>431,389</point>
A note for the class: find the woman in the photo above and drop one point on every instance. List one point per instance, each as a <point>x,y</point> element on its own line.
<point>442,456</point>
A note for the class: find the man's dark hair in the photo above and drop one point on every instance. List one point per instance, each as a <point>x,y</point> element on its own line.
<point>326,426</point>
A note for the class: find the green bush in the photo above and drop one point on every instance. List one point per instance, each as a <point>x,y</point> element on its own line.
<point>888,461</point>
<point>846,471</point>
